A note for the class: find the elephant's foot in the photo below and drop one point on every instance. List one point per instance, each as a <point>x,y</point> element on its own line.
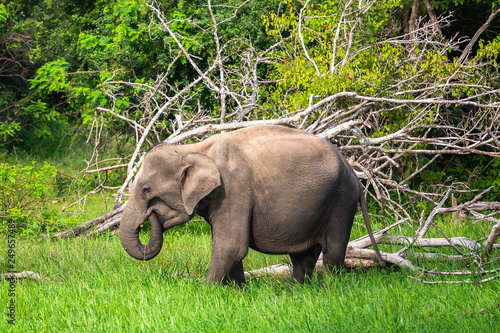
<point>236,275</point>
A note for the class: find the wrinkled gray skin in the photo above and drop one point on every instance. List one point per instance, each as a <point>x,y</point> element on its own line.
<point>274,189</point>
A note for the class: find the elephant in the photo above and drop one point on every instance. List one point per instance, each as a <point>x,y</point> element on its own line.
<point>275,189</point>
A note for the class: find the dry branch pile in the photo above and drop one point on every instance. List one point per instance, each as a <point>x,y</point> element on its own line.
<point>358,123</point>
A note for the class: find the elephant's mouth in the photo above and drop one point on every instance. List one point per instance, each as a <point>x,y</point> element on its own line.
<point>152,218</point>
<point>156,221</point>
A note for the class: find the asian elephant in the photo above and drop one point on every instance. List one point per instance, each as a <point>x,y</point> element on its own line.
<point>274,189</point>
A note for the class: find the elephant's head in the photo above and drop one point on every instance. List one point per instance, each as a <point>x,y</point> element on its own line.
<point>166,191</point>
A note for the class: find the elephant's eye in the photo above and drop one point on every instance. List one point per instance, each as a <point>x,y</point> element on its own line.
<point>146,190</point>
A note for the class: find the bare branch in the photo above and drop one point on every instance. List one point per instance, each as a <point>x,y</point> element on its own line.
<point>299,30</point>
<point>468,281</point>
<point>468,48</point>
<point>492,238</point>
<point>439,209</point>
<point>107,168</point>
<point>19,276</point>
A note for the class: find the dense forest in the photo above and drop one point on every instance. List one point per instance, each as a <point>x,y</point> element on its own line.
<point>408,89</point>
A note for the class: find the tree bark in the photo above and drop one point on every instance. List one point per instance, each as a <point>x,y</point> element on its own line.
<point>412,23</point>
<point>492,238</point>
<point>432,16</point>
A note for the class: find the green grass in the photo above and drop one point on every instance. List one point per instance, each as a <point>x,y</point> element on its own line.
<point>92,285</point>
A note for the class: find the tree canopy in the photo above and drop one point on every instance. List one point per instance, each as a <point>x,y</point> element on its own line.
<point>410,81</point>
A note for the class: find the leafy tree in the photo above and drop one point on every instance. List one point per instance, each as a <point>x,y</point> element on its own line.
<point>336,46</point>
<point>74,47</point>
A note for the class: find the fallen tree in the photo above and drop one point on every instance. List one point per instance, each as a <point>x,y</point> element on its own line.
<point>450,114</point>
<point>108,220</point>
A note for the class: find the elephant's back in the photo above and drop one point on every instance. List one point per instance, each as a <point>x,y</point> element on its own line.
<point>277,151</point>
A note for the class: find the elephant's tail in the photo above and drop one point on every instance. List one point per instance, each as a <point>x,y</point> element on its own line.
<point>364,210</point>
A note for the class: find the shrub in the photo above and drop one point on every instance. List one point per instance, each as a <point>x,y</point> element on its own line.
<point>24,194</point>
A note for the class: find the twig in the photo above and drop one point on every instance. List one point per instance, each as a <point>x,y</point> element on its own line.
<point>112,167</point>
<point>439,208</point>
<point>299,31</point>
<point>468,281</point>
<point>19,276</point>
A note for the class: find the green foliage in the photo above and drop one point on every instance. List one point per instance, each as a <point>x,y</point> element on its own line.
<point>9,129</point>
<point>109,44</point>
<point>3,13</point>
<point>42,118</point>
<point>80,51</point>
<point>363,63</point>
<point>51,77</point>
<point>25,192</point>
<point>367,73</point>
<point>74,55</point>
<point>480,173</point>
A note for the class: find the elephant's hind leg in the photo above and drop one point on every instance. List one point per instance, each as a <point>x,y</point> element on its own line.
<point>334,251</point>
<point>304,264</point>
<point>333,259</point>
<point>337,236</point>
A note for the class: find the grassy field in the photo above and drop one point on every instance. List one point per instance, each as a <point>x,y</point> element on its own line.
<point>92,285</point>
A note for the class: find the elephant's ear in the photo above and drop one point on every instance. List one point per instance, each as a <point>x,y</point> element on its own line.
<point>200,177</point>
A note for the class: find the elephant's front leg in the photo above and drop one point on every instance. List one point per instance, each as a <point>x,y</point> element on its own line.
<point>230,240</point>
<point>226,265</point>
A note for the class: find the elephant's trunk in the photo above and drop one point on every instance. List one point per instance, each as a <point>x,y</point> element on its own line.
<point>129,236</point>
